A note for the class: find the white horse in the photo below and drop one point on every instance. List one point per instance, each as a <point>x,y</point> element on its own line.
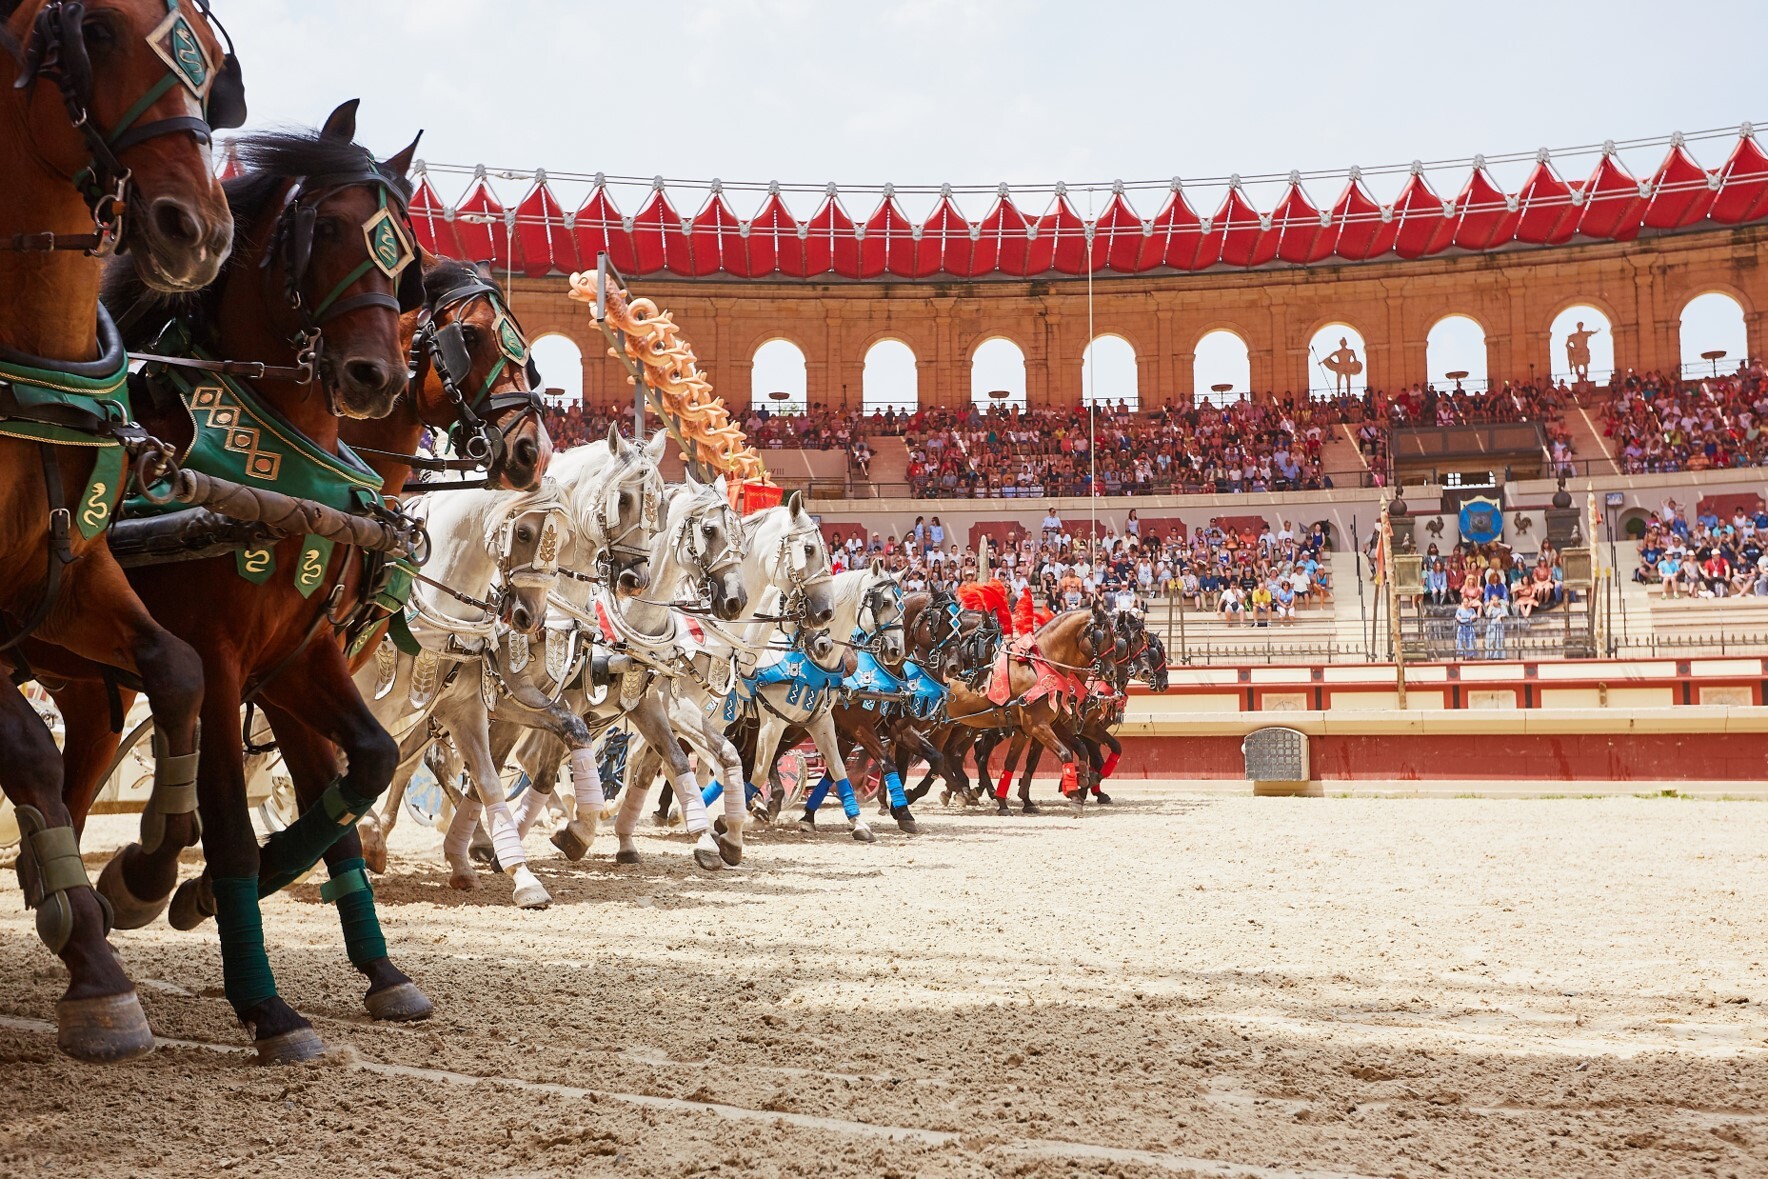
<point>796,680</point>
<point>607,504</point>
<point>698,552</point>
<point>705,663</point>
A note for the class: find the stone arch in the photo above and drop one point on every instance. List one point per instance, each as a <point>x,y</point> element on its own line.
<point>1457,341</point>
<point>1221,356</point>
<point>1110,372</point>
<point>779,365</point>
<point>1712,319</point>
<point>1601,346</point>
<point>560,360</point>
<point>1322,342</point>
<point>890,378</point>
<point>994,370</point>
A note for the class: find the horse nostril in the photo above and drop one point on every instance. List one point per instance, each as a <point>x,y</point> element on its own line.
<point>366,375</point>
<point>520,618</point>
<point>527,452</point>
<point>175,223</point>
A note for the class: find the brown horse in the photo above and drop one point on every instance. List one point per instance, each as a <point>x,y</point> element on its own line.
<point>314,293</point>
<point>104,143</point>
<point>1071,645</point>
<point>466,374</point>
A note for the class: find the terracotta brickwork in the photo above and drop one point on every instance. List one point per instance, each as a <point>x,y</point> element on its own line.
<point>1641,286</point>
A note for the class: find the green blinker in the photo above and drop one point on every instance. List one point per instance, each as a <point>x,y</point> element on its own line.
<point>509,338</point>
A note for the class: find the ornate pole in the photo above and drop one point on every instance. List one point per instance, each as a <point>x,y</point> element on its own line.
<point>1390,590</point>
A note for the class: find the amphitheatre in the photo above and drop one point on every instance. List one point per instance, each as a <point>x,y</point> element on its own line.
<point>574,673</point>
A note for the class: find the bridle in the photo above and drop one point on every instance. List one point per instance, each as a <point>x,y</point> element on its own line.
<point>443,348</point>
<point>539,571</point>
<point>794,563</point>
<point>691,537</point>
<point>886,615</point>
<point>56,51</point>
<point>388,250</point>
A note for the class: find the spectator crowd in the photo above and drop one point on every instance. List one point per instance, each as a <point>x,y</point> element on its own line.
<point>1706,557</point>
<point>1661,423</point>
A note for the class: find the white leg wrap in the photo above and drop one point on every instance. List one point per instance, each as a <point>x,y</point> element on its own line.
<point>505,839</point>
<point>586,784</point>
<point>460,831</point>
<point>693,807</point>
<point>529,807</point>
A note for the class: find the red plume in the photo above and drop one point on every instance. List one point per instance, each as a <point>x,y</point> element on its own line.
<point>1023,614</point>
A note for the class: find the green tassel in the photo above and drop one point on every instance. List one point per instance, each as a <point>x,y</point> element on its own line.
<point>290,853</point>
<point>350,891</point>
<point>245,968</point>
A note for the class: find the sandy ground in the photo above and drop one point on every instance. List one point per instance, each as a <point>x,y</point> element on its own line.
<point>1211,986</point>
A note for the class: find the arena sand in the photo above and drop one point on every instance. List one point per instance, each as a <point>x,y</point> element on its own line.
<point>1173,985</point>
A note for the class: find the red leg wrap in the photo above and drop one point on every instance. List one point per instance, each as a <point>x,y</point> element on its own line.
<point>1070,777</point>
<point>1111,760</point>
<point>1006,784</point>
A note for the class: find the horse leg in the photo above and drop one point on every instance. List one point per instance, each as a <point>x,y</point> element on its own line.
<point>651,718</point>
<point>1040,723</point>
<point>719,763</point>
<point>312,764</point>
<point>1108,765</point>
<point>376,824</point>
<point>469,723</point>
<point>891,798</point>
<point>1015,750</point>
<point>641,767</point>
<point>229,888</point>
<point>99,618</point>
<point>822,731</point>
<point>99,1017</point>
<point>1032,757</point>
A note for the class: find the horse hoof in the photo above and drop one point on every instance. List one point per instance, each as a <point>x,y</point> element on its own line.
<point>128,911</point>
<point>945,798</point>
<point>1001,807</point>
<point>403,1003</point>
<point>374,847</point>
<point>807,824</point>
<point>570,842</point>
<point>1077,806</point>
<point>863,834</point>
<point>463,880</point>
<point>665,821</point>
<point>708,858</point>
<point>626,856</point>
<point>192,904</point>
<point>532,896</point>
<point>105,1030</point>
<point>730,851</point>
<point>1030,808</point>
<point>290,1047</point>
<point>905,821</point>
<point>1101,798</point>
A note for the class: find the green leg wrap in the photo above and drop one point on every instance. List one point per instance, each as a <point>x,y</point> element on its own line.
<point>288,854</point>
<point>245,968</point>
<point>349,890</point>
<point>49,866</point>
<point>174,791</point>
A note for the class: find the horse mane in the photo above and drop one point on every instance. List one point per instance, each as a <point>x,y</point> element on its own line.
<point>447,274</point>
<point>271,159</point>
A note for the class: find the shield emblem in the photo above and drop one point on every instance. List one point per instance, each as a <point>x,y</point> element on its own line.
<point>387,247</point>
<point>1482,520</point>
<point>182,51</point>
<point>509,337</point>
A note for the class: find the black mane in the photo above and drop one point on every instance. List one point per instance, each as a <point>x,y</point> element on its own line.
<point>450,274</point>
<point>271,159</point>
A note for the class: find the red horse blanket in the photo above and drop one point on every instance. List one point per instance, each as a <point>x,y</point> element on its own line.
<point>1051,680</point>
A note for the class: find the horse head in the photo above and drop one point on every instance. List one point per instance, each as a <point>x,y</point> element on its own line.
<point>475,376</point>
<point>797,559</point>
<point>123,94</point>
<point>708,536</point>
<point>624,507</point>
<point>881,612</point>
<point>527,540</point>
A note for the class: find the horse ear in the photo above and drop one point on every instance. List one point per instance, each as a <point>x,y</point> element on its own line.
<point>877,567</point>
<point>400,165</point>
<point>692,483</point>
<point>656,446</point>
<point>341,123</point>
<point>615,442</point>
<point>723,488</point>
<point>795,503</point>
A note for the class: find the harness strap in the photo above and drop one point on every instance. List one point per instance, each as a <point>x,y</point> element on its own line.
<point>60,546</point>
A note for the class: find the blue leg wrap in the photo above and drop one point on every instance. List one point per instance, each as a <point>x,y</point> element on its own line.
<point>245,968</point>
<point>817,793</point>
<point>289,853</point>
<point>349,890</point>
<point>751,792</point>
<point>893,783</point>
<point>849,801</point>
<point>713,792</point>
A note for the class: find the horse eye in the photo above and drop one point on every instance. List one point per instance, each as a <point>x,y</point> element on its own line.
<point>524,534</point>
<point>469,335</point>
<point>625,499</point>
<point>98,33</point>
<point>709,530</point>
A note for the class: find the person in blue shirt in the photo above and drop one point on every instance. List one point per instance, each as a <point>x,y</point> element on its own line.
<point>1436,584</point>
<point>1465,615</point>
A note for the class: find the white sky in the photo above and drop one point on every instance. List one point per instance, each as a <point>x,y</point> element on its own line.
<point>925,91</point>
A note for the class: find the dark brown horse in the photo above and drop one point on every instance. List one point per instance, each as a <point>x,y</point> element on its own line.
<point>466,379</point>
<point>315,292</point>
<point>103,141</point>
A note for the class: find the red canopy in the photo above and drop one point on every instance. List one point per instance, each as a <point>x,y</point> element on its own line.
<point>1612,205</point>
